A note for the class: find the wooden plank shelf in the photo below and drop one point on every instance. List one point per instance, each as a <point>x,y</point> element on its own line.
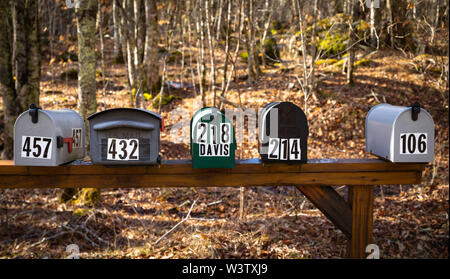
<point>179,173</point>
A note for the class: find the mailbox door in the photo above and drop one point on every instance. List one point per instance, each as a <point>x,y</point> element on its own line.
<point>213,141</point>
<point>289,144</point>
<point>413,141</point>
<point>124,145</point>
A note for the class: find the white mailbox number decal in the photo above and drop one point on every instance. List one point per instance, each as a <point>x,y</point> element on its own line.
<point>123,149</point>
<point>413,143</point>
<point>36,147</point>
<point>284,149</point>
<point>76,135</point>
<point>224,133</point>
<point>215,143</point>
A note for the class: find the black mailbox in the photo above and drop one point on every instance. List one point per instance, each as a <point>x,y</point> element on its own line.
<point>283,133</point>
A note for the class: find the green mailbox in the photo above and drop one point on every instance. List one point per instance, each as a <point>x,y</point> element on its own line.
<point>213,140</point>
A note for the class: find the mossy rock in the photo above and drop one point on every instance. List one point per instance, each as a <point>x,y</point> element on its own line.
<point>244,56</point>
<point>68,54</point>
<point>88,197</point>
<point>165,100</point>
<point>363,63</point>
<point>332,34</point>
<point>70,74</point>
<point>147,96</point>
<point>271,51</point>
<point>68,194</point>
<point>329,61</point>
<point>340,62</point>
<point>331,43</point>
<point>80,212</point>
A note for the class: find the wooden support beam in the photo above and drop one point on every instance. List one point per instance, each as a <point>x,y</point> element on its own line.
<point>332,205</point>
<point>361,198</point>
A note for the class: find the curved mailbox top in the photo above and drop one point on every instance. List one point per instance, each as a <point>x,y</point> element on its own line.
<point>123,124</point>
<point>386,114</point>
<point>212,116</point>
<point>55,116</point>
<point>125,110</point>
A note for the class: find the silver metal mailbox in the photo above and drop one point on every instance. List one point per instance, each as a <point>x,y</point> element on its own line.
<point>400,134</point>
<point>125,136</point>
<point>48,137</point>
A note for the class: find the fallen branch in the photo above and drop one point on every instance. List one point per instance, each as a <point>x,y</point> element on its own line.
<point>188,216</point>
<point>214,203</point>
<point>48,238</point>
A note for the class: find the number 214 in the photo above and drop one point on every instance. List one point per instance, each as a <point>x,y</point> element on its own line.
<point>284,149</point>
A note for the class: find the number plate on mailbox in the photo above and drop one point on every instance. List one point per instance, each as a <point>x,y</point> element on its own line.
<point>116,149</point>
<point>36,147</point>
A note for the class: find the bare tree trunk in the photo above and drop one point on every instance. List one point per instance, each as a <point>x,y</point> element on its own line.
<point>253,68</point>
<point>227,50</point>
<point>102,52</point>
<point>269,13</point>
<point>305,82</point>
<point>219,19</point>
<point>211,53</point>
<point>11,107</point>
<point>129,9</point>
<point>374,42</point>
<point>19,58</point>
<point>189,40</point>
<point>87,87</point>
<point>390,22</point>
<point>151,58</point>
<point>352,39</point>
<point>26,58</point>
<point>139,35</point>
<point>86,15</point>
<point>240,28</point>
<point>117,44</point>
<point>312,82</point>
<point>201,67</point>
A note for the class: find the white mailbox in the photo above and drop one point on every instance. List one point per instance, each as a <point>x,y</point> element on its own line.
<point>48,137</point>
<point>400,134</point>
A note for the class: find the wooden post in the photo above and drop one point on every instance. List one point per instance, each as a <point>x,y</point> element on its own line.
<point>361,200</point>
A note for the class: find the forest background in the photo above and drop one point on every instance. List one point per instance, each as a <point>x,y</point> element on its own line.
<point>335,59</point>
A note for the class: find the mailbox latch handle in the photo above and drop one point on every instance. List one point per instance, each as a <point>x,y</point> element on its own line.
<point>415,111</point>
<point>60,142</point>
<point>34,113</point>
